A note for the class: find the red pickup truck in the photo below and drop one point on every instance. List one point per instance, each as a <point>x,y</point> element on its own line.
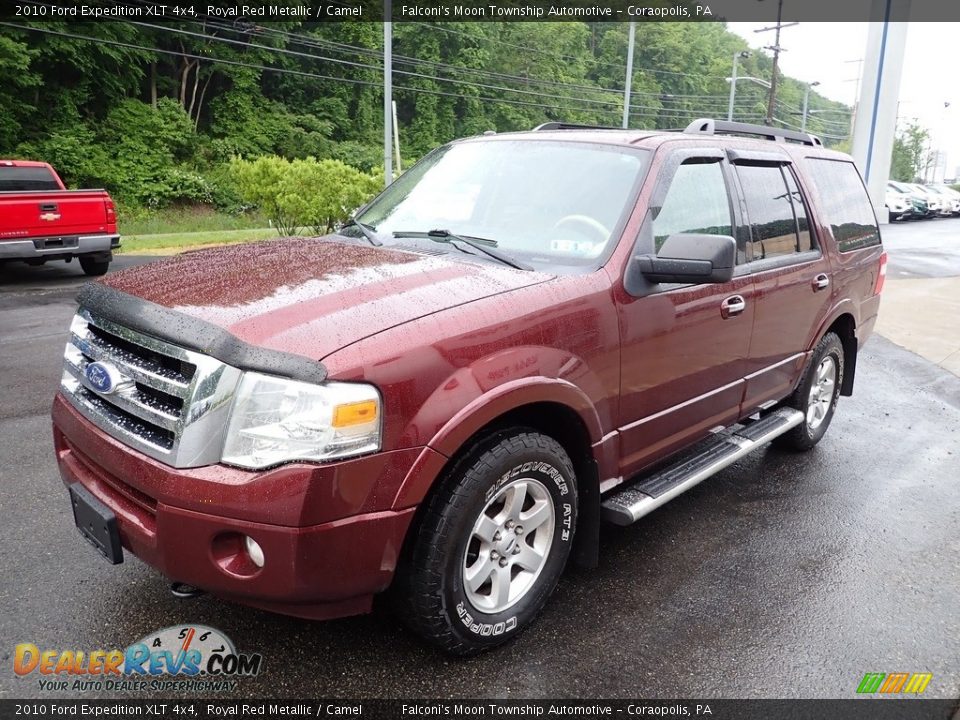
<point>41,220</point>
<point>525,335</point>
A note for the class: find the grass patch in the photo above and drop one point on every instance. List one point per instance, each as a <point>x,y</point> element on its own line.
<point>187,219</point>
<point>164,243</point>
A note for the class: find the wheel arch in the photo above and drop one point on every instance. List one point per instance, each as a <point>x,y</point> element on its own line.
<point>553,418</point>
<point>845,328</point>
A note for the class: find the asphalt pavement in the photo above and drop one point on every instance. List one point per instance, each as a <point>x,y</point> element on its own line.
<point>786,575</point>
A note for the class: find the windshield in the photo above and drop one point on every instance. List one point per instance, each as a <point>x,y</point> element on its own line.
<point>546,203</point>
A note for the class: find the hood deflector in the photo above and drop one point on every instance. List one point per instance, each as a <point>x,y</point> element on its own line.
<point>195,334</point>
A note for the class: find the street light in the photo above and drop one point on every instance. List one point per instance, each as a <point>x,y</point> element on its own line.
<point>733,81</point>
<point>759,81</point>
<point>806,101</point>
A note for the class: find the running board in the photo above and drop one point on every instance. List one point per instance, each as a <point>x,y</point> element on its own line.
<point>632,503</point>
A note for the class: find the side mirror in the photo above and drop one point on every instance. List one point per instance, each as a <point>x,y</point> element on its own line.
<point>691,258</point>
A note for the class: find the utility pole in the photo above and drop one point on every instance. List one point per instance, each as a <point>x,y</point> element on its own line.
<point>772,99</point>
<point>387,92</point>
<point>629,82</point>
<point>856,93</point>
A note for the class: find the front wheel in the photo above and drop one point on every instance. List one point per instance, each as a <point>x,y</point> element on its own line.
<point>492,544</point>
<point>816,396</point>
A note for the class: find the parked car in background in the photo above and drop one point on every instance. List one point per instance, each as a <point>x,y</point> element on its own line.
<point>918,203</point>
<point>939,205</point>
<point>40,220</point>
<point>950,196</point>
<point>899,205</point>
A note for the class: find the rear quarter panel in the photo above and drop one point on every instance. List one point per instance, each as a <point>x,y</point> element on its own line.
<point>853,273</point>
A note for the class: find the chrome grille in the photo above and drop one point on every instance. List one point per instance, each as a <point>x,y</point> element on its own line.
<point>168,402</point>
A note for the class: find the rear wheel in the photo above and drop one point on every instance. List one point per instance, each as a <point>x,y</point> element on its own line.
<point>816,396</point>
<point>94,265</point>
<point>492,544</point>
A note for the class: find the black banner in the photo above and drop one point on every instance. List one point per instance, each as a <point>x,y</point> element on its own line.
<point>259,11</point>
<point>854,709</point>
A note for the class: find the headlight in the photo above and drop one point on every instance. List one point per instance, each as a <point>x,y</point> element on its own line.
<point>275,420</point>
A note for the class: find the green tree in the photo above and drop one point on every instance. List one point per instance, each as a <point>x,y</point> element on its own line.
<point>910,153</point>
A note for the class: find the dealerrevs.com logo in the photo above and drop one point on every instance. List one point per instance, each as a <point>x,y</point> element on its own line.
<point>193,658</point>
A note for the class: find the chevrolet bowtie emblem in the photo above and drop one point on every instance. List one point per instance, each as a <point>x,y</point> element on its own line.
<point>50,216</point>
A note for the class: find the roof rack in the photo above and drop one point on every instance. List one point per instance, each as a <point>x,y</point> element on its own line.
<point>708,126</point>
<point>571,126</point>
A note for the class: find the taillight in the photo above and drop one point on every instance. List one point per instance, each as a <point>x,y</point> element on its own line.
<point>881,275</point>
<point>111,212</point>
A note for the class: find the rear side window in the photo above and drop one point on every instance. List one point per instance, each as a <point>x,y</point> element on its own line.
<point>25,179</point>
<point>845,204</point>
<point>778,220</point>
<point>696,202</point>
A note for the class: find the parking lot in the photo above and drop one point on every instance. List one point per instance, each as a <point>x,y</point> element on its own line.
<point>783,576</point>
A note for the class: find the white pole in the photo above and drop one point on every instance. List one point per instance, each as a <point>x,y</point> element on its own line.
<point>875,126</point>
<point>396,138</point>
<point>626,89</point>
<point>806,102</point>
<point>387,91</point>
<point>733,87</point>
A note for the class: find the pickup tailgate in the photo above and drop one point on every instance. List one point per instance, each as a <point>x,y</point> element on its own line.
<point>54,213</point>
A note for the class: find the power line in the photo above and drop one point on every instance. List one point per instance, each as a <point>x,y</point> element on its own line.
<point>560,56</point>
<point>266,68</point>
<point>407,73</point>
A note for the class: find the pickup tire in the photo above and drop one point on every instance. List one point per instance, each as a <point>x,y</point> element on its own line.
<point>94,266</point>
<point>816,395</point>
<point>476,576</point>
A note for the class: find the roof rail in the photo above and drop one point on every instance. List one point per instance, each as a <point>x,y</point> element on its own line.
<point>708,126</point>
<point>571,126</point>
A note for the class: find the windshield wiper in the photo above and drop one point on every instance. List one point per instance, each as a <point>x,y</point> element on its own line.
<point>487,247</point>
<point>367,230</point>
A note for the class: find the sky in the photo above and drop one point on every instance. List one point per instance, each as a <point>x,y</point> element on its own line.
<point>822,52</point>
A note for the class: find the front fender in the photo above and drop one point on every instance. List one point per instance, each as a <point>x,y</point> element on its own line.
<point>479,411</point>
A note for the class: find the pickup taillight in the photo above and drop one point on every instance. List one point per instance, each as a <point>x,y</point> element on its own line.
<point>111,212</point>
<point>881,275</point>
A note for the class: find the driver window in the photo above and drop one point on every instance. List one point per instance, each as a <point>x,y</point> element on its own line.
<point>695,203</point>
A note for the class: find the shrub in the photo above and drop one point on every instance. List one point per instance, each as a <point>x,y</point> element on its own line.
<point>303,193</point>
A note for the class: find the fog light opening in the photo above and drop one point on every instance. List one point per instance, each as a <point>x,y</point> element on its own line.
<point>254,551</point>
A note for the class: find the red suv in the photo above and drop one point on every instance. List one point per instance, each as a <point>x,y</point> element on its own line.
<point>446,397</point>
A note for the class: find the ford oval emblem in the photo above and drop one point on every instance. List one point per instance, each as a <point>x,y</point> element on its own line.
<point>102,377</point>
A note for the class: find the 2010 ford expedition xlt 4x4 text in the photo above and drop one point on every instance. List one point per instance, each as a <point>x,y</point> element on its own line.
<point>445,398</point>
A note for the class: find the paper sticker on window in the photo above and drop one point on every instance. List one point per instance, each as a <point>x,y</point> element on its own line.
<point>584,248</point>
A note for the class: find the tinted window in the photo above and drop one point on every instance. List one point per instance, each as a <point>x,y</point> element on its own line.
<point>844,203</point>
<point>24,179</point>
<point>696,202</point>
<point>770,211</point>
<point>800,211</point>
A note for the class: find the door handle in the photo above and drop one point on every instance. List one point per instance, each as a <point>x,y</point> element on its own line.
<point>733,305</point>
<point>821,282</point>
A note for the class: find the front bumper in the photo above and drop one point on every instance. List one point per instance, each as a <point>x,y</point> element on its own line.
<point>329,538</point>
<point>46,247</point>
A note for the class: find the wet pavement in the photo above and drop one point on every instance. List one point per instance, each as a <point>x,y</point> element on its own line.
<point>784,576</point>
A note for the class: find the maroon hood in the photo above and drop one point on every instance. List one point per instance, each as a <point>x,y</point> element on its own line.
<point>313,296</point>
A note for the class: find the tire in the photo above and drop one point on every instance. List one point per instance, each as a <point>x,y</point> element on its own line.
<point>816,395</point>
<point>94,266</point>
<point>450,587</point>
